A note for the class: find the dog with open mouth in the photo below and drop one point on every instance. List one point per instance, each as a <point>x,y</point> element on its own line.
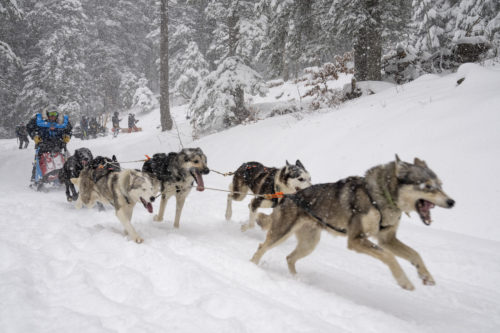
<point>359,208</point>
<point>121,189</point>
<point>176,173</point>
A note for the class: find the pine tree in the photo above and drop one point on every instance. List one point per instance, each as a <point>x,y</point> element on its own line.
<point>56,72</point>
<point>219,100</point>
<point>119,48</point>
<point>433,23</point>
<point>236,32</point>
<point>371,24</point>
<point>187,63</point>
<point>11,22</point>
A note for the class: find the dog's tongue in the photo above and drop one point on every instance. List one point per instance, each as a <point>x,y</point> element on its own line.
<point>199,181</point>
<point>147,205</point>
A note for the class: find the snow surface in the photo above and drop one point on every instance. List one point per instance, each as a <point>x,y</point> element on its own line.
<point>68,270</point>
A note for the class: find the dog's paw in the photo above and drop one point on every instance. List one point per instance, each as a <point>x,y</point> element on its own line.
<point>139,240</point>
<point>69,199</point>
<point>156,218</point>
<point>245,227</point>
<point>407,285</point>
<point>428,280</point>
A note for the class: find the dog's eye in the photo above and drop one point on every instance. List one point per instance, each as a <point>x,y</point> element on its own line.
<point>426,187</point>
<point>301,179</point>
<point>196,161</point>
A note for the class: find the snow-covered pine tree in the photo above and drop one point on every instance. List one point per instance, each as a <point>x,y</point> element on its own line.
<point>369,23</point>
<point>433,22</point>
<point>129,83</point>
<point>187,63</point>
<point>189,67</point>
<point>55,71</point>
<point>291,41</point>
<point>219,100</point>
<point>10,65</point>
<point>273,50</point>
<point>119,50</point>
<point>236,32</point>
<point>475,28</point>
<point>143,100</point>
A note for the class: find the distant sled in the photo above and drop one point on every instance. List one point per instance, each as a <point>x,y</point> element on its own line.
<point>125,130</point>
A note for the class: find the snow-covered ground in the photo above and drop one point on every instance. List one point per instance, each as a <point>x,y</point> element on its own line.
<point>68,270</point>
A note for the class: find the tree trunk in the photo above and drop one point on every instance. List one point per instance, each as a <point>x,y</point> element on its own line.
<point>165,118</point>
<point>232,24</point>
<point>368,46</point>
<point>367,55</point>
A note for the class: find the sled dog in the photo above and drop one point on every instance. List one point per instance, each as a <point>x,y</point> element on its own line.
<point>359,208</point>
<point>72,168</point>
<point>176,173</point>
<point>259,179</point>
<point>121,189</point>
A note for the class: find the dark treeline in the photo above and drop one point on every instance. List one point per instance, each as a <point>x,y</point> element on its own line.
<point>89,57</point>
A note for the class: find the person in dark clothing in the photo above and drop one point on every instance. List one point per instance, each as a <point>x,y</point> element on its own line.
<point>84,124</point>
<point>116,124</point>
<point>22,135</point>
<point>131,123</point>
<point>93,127</point>
<point>50,132</point>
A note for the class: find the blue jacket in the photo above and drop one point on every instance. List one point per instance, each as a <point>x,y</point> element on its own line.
<point>49,131</point>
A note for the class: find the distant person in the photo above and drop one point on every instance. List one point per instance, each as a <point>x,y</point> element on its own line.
<point>131,123</point>
<point>115,120</point>
<point>84,124</point>
<point>93,127</point>
<point>22,135</point>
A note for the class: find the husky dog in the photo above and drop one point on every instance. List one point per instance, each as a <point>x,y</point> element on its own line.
<point>176,173</point>
<point>72,168</point>
<point>260,180</point>
<point>121,189</point>
<point>359,208</point>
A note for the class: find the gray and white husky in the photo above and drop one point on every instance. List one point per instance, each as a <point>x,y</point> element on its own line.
<point>121,189</point>
<point>261,180</point>
<point>359,208</point>
<point>176,173</point>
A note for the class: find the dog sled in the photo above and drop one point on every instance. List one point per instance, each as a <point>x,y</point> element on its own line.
<point>47,166</point>
<point>125,129</point>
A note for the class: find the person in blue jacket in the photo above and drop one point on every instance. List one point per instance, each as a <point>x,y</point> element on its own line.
<point>50,131</point>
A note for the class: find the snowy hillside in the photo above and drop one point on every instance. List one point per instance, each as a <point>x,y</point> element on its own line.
<point>68,270</point>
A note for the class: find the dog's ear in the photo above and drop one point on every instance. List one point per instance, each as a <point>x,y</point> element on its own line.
<point>114,158</point>
<point>420,163</point>
<point>398,165</point>
<point>299,164</point>
<point>287,164</point>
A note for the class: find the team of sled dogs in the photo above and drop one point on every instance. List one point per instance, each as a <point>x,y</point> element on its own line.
<point>360,208</point>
